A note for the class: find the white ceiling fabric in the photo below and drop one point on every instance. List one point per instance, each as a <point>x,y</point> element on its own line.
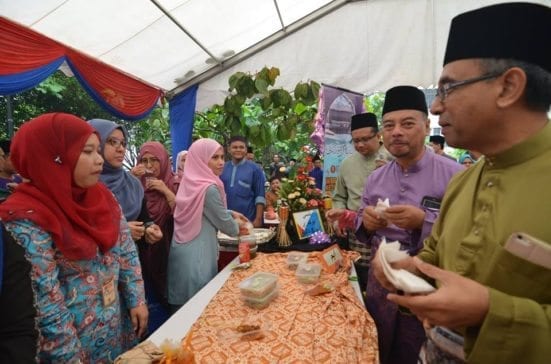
<point>363,46</point>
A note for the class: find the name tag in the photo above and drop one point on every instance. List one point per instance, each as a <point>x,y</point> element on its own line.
<point>108,292</point>
<point>431,203</point>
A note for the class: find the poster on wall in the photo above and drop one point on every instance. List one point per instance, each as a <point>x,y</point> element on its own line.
<point>336,107</point>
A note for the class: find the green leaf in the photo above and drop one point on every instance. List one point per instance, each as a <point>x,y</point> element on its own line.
<point>273,72</point>
<point>245,86</point>
<point>265,102</point>
<point>299,108</point>
<point>234,79</point>
<point>254,131</point>
<point>280,97</point>
<point>301,91</point>
<point>261,86</point>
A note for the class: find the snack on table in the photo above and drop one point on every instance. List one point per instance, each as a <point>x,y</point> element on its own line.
<point>178,354</point>
<point>254,335</point>
<point>247,328</point>
<point>320,288</point>
<point>262,302</point>
<point>295,258</point>
<point>270,213</point>
<point>259,285</point>
<point>308,272</point>
<point>250,332</point>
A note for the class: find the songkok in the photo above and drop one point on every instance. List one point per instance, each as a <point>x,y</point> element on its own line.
<point>438,139</point>
<point>519,31</point>
<point>365,120</point>
<point>405,98</point>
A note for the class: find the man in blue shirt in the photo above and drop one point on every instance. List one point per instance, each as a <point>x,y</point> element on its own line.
<point>317,172</point>
<point>244,183</point>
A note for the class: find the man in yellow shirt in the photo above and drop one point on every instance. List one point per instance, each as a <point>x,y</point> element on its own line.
<point>494,94</point>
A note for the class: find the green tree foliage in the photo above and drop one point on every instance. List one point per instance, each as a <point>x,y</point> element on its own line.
<point>272,119</point>
<point>374,103</point>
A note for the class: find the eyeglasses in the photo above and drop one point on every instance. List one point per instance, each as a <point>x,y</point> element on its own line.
<point>443,91</point>
<point>115,142</point>
<point>150,160</point>
<point>363,140</point>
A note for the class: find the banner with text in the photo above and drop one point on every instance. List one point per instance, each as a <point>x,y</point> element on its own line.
<point>336,107</point>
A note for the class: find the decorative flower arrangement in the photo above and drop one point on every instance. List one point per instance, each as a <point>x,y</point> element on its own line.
<point>300,193</point>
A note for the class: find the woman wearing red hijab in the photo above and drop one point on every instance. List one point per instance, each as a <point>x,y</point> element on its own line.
<point>160,189</point>
<point>86,276</point>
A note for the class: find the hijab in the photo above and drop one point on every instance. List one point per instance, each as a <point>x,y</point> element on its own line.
<point>179,163</point>
<point>157,206</point>
<point>126,188</point>
<point>46,150</point>
<point>190,198</point>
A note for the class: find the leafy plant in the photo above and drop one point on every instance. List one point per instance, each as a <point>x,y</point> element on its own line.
<point>273,119</point>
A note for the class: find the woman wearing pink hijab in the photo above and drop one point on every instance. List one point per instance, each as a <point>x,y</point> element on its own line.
<point>200,212</point>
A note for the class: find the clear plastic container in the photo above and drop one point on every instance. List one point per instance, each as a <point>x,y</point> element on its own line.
<point>258,286</point>
<point>308,272</point>
<point>263,302</point>
<point>295,258</point>
<point>253,250</point>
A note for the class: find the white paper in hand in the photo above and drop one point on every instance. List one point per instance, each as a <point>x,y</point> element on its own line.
<point>381,206</point>
<point>400,278</point>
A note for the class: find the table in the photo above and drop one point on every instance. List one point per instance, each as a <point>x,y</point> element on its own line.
<point>178,325</point>
<point>181,322</point>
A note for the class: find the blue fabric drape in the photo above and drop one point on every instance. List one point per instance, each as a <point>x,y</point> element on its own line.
<point>182,111</point>
<point>22,81</point>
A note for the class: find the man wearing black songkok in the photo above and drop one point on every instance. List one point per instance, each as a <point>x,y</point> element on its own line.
<point>493,299</point>
<point>353,172</point>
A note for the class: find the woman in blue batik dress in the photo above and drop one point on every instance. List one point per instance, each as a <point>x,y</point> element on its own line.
<point>85,272</point>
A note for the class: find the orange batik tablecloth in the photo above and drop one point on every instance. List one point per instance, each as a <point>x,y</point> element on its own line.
<point>297,328</point>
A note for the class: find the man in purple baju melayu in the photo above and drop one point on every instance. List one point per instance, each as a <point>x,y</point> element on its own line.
<point>414,183</point>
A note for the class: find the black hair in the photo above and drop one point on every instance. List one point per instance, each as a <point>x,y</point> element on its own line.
<point>5,144</point>
<point>438,139</point>
<point>237,138</point>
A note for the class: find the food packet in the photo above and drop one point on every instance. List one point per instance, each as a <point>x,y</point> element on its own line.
<point>320,288</point>
<point>381,206</point>
<point>177,354</point>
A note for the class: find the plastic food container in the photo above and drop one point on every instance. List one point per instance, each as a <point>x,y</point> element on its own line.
<point>253,250</point>
<point>308,272</point>
<point>263,302</point>
<point>295,258</point>
<point>258,286</point>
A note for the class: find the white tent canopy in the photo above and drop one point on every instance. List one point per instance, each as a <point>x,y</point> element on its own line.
<point>363,46</point>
